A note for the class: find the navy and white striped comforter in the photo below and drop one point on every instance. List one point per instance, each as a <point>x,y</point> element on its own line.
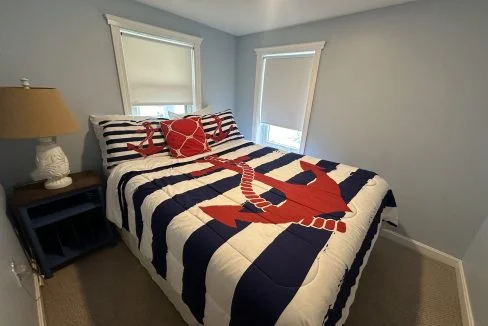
<point>252,272</point>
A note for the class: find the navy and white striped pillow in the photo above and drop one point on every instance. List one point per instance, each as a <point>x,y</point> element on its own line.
<point>210,125</point>
<point>115,133</point>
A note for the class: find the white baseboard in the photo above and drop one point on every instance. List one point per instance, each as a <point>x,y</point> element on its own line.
<point>425,250</point>
<point>38,282</point>
<point>466,311</point>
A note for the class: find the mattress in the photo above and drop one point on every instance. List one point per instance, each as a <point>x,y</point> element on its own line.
<point>248,234</point>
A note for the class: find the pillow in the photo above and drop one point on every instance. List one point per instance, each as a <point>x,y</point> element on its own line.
<point>205,110</point>
<point>219,127</point>
<point>185,137</point>
<point>124,138</point>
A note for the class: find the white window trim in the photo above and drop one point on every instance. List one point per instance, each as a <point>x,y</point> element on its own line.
<point>261,53</point>
<point>118,23</point>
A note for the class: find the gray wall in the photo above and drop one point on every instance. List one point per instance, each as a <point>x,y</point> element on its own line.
<point>476,270</point>
<point>67,44</point>
<point>401,91</point>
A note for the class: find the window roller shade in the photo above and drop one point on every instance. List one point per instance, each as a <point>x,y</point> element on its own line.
<point>157,72</point>
<point>285,91</point>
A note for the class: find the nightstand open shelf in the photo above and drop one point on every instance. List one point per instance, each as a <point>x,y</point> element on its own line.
<point>47,219</point>
<point>63,225</point>
<point>70,238</point>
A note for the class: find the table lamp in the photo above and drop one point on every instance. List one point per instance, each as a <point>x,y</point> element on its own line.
<point>32,112</point>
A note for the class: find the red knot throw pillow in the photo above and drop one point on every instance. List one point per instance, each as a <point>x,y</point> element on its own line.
<point>185,137</point>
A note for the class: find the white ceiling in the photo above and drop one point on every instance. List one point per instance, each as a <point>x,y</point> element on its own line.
<point>240,17</point>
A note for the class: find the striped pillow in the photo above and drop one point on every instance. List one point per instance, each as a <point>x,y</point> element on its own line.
<point>217,135</point>
<point>120,138</point>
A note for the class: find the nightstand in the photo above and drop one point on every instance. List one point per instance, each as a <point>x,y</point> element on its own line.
<point>62,224</point>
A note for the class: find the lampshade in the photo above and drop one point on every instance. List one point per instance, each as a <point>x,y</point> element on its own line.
<point>34,113</point>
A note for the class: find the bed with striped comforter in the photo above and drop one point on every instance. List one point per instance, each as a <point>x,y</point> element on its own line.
<point>248,235</point>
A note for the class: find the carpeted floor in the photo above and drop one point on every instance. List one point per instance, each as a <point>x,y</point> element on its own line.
<point>110,288</point>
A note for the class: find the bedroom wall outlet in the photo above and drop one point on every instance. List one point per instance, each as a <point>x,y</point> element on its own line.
<point>18,271</point>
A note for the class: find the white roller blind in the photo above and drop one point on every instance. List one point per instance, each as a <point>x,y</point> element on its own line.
<point>157,72</point>
<point>285,91</point>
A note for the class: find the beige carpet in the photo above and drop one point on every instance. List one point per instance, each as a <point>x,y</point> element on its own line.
<point>111,288</point>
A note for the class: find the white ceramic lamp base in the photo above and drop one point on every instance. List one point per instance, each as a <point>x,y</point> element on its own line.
<point>58,183</point>
<point>52,164</point>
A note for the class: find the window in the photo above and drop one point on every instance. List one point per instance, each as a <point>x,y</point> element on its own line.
<point>160,110</point>
<point>159,69</point>
<point>285,84</point>
<point>283,137</point>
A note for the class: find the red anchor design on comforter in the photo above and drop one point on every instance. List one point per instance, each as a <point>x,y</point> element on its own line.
<point>303,204</point>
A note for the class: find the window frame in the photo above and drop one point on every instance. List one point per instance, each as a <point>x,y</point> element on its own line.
<point>282,51</point>
<point>118,24</point>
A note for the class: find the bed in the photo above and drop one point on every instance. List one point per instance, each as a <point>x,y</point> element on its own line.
<point>249,235</point>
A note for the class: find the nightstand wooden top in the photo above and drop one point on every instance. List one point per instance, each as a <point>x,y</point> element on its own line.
<point>35,192</point>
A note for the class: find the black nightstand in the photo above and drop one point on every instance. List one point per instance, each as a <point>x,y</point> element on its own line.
<point>62,224</point>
